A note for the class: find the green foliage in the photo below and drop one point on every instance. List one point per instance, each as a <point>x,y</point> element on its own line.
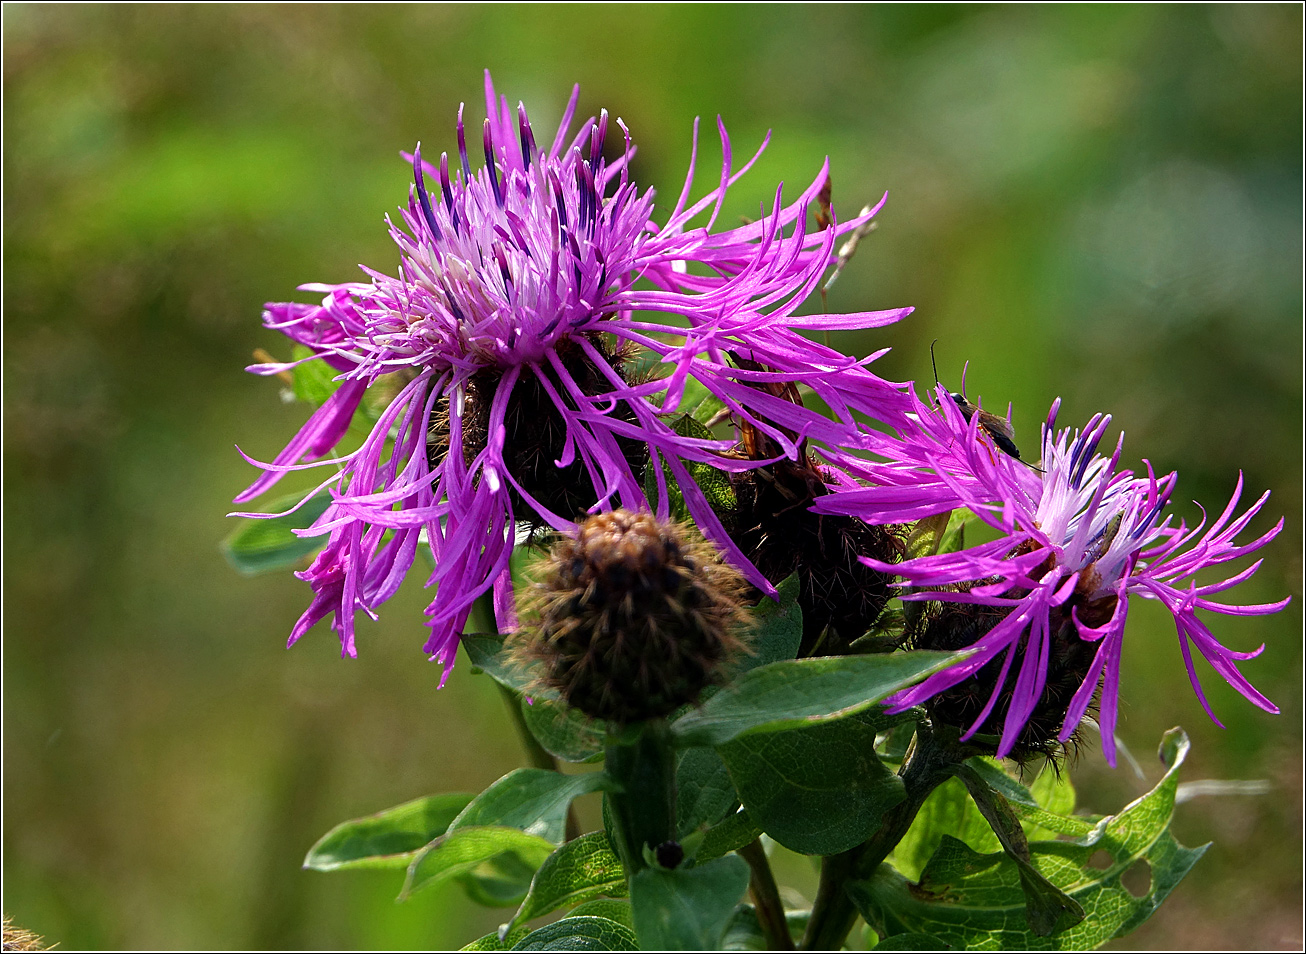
<point>463,851</point>
<point>974,900</point>
<point>687,909</point>
<point>388,839</point>
<point>534,800</point>
<point>795,693</point>
<point>585,933</point>
<point>713,483</point>
<point>261,546</point>
<point>704,792</point>
<point>775,627</point>
<point>568,734</point>
<point>733,833</point>
<point>314,380</point>
<point>579,871</point>
<point>817,790</point>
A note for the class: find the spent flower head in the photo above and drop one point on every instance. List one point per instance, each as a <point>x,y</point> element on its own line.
<point>510,328</point>
<point>1077,540</point>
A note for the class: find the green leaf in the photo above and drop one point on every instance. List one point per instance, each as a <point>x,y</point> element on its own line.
<point>948,809</point>
<point>745,932</point>
<point>462,851</point>
<point>486,652</point>
<point>800,692</point>
<point>610,908</point>
<point>586,933</point>
<point>911,942</point>
<point>714,483</point>
<point>501,881</point>
<point>704,792</point>
<point>730,835</point>
<point>566,733</point>
<point>818,790</point>
<point>971,900</point>
<point>388,839</point>
<point>492,942</point>
<point>579,871</point>
<point>534,800</point>
<point>1048,909</point>
<point>259,546</point>
<point>776,627</point>
<point>1024,803</point>
<point>314,380</point>
<point>687,909</point>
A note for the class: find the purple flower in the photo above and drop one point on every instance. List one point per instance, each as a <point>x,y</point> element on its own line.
<point>1076,541</point>
<point>509,334</point>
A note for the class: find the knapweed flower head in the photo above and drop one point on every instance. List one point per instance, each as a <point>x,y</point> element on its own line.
<point>525,290</point>
<point>1044,605</point>
<point>633,617</point>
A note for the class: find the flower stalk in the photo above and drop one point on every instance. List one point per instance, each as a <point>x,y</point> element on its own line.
<point>640,760</point>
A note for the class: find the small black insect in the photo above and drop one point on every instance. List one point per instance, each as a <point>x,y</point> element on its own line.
<point>998,428</point>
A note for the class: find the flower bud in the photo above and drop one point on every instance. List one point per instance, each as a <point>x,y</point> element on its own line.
<point>632,617</point>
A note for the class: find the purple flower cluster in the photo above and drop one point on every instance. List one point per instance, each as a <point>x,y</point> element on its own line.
<point>538,337</point>
<point>1076,539</point>
<point>518,274</point>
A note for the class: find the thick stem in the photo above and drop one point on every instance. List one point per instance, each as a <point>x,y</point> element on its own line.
<point>833,913</point>
<point>641,761</point>
<point>766,898</point>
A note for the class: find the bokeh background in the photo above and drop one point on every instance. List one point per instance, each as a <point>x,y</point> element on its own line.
<point>1101,203</point>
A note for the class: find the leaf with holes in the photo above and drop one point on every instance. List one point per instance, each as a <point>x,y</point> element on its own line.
<point>971,900</point>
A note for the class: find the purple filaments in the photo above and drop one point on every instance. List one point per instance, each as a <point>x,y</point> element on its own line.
<point>518,282</point>
<point>1075,543</point>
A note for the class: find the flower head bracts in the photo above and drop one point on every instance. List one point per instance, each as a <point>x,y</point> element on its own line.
<point>1077,541</point>
<point>514,282</point>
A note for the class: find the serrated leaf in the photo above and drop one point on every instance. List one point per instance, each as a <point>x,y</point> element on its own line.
<point>971,900</point>
<point>534,800</point>
<point>388,839</point>
<point>799,692</point>
<point>586,933</point>
<point>1048,909</point>
<point>1024,803</point>
<point>260,546</point>
<point>775,627</point>
<point>579,871</point>
<point>687,909</point>
<point>714,483</point>
<point>461,851</point>
<point>818,790</point>
<point>566,733</point>
<point>704,792</point>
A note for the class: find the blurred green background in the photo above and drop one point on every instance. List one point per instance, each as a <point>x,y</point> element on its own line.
<point>1102,203</point>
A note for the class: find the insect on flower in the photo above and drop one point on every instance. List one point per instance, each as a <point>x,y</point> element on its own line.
<point>998,428</point>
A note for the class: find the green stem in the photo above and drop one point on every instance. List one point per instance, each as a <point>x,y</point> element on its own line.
<point>641,761</point>
<point>833,914</point>
<point>766,898</point>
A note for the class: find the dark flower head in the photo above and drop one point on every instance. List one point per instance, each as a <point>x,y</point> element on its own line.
<point>1076,542</point>
<point>508,324</point>
<point>633,618</point>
